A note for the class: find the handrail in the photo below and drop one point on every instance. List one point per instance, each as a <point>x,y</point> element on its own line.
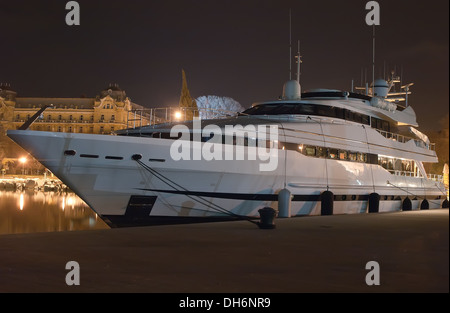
<point>404,139</point>
<point>436,177</point>
<point>433,177</point>
<point>152,116</point>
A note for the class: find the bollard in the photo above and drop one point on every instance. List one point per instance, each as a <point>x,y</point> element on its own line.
<point>267,216</point>
<point>374,203</point>
<point>326,203</point>
<point>407,204</point>
<point>284,203</point>
<point>445,204</point>
<point>424,205</point>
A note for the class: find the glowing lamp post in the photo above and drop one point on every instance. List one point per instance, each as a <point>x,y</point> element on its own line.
<point>23,160</point>
<point>178,115</point>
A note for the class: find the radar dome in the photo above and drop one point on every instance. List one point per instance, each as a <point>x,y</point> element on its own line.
<point>291,90</point>
<point>380,88</point>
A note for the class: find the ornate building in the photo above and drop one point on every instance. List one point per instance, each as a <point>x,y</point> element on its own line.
<point>100,115</point>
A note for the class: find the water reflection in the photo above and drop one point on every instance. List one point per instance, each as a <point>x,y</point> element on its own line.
<point>38,211</point>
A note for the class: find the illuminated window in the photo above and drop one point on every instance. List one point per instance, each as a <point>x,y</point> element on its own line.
<point>310,151</point>
<point>333,153</point>
<point>343,155</point>
<point>321,152</point>
<point>362,157</point>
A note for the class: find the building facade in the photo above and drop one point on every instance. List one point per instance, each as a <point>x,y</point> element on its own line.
<point>104,114</point>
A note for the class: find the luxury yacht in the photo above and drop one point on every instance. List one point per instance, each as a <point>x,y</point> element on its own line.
<point>319,152</point>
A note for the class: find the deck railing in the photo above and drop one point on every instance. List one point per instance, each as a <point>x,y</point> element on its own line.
<point>404,139</point>
<point>152,116</point>
<point>434,177</point>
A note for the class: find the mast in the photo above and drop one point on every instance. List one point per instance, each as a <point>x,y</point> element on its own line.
<point>290,45</point>
<point>299,60</point>
<point>373,60</point>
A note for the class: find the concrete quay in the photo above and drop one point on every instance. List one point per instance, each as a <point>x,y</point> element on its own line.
<point>317,254</point>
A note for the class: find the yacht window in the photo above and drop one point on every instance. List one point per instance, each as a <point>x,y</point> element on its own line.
<point>348,115</point>
<point>109,157</point>
<point>365,119</point>
<point>362,157</point>
<point>307,109</point>
<point>357,117</point>
<point>304,109</point>
<point>321,152</point>
<point>343,155</point>
<point>390,164</point>
<point>406,166</point>
<point>70,152</point>
<point>324,111</point>
<point>91,156</point>
<point>310,151</point>
<point>333,153</point>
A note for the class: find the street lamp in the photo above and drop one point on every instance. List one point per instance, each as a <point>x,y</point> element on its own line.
<point>178,115</point>
<point>23,160</point>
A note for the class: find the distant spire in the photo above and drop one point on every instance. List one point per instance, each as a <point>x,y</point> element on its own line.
<point>186,101</point>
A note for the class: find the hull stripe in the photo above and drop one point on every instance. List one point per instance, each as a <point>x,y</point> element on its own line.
<point>274,197</point>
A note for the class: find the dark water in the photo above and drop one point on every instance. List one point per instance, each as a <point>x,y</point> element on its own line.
<point>38,211</point>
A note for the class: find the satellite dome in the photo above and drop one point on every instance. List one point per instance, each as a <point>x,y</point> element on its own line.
<point>380,88</point>
<point>291,90</point>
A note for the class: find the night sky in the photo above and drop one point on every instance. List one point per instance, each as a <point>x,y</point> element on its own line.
<point>234,48</point>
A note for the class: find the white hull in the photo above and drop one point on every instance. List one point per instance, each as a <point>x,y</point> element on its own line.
<point>106,185</point>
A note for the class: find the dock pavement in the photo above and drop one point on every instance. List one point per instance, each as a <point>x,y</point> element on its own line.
<point>379,252</point>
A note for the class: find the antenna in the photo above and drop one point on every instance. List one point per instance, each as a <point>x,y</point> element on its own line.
<point>299,60</point>
<point>290,45</point>
<point>362,76</point>
<point>373,61</point>
<point>401,75</point>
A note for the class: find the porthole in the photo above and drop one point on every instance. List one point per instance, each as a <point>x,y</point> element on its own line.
<point>70,152</point>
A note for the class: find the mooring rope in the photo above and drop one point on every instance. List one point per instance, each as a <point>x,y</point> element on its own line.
<point>201,200</point>
<point>405,190</point>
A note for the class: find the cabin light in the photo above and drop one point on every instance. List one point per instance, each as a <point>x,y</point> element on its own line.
<point>300,147</point>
